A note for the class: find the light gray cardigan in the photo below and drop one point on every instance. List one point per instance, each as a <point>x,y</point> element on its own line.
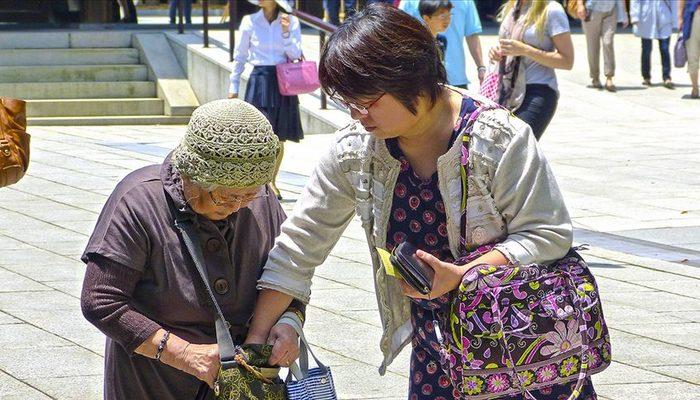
<point>513,199</point>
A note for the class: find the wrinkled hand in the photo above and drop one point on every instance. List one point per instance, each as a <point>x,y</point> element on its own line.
<point>581,12</point>
<point>200,360</point>
<point>513,48</point>
<point>284,21</point>
<point>495,54</point>
<point>233,95</point>
<point>285,345</point>
<point>448,276</point>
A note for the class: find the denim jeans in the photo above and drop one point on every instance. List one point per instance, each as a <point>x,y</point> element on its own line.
<point>665,58</point>
<point>538,107</point>
<point>333,10</point>
<point>187,11</point>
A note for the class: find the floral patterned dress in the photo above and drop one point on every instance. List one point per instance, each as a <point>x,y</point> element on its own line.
<point>418,216</point>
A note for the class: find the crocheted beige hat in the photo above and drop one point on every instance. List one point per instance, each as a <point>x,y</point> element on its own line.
<point>228,143</point>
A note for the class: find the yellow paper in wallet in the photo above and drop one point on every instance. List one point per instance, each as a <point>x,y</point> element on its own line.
<point>385,257</point>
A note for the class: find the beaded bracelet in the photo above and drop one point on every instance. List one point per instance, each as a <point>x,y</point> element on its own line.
<point>161,346</point>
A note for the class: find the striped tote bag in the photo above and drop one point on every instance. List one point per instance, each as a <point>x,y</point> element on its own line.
<point>304,383</point>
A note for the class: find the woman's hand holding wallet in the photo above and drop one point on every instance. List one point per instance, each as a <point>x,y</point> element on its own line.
<point>448,276</point>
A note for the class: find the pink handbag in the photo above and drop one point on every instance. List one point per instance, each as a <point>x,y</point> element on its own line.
<point>489,87</point>
<point>297,77</point>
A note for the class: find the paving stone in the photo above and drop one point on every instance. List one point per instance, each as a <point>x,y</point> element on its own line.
<point>73,288</point>
<point>43,300</point>
<point>688,373</point>
<point>622,315</point>
<point>68,324</point>
<point>14,389</point>
<point>31,363</point>
<point>618,373</point>
<point>682,334</point>
<point>8,319</point>
<point>642,352</point>
<point>650,391</point>
<point>71,387</point>
<point>373,386</point>
<point>21,336</point>
<point>49,269</point>
<point>12,282</point>
<point>340,300</point>
<point>655,301</point>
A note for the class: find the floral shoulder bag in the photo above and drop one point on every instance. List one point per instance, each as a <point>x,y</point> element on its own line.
<point>516,328</point>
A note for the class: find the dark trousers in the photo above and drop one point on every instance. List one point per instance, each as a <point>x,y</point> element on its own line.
<point>333,10</point>
<point>187,11</point>
<point>665,58</point>
<point>538,107</point>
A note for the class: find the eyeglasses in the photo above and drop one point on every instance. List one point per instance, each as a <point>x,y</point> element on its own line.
<point>364,110</point>
<point>236,200</point>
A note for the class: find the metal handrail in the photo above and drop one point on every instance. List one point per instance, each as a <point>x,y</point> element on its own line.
<point>307,19</point>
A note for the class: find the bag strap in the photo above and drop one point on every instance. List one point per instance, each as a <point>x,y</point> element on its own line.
<point>227,350</point>
<point>300,370</point>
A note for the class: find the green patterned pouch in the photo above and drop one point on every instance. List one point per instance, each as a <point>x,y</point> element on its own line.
<point>252,378</point>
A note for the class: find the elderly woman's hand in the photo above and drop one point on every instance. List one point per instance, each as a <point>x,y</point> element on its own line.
<point>200,360</point>
<point>285,345</point>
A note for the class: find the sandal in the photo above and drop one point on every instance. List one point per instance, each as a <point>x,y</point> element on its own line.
<point>610,87</point>
<point>668,84</point>
<point>646,82</point>
<point>595,84</point>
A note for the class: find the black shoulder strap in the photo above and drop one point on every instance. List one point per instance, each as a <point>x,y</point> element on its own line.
<point>227,350</point>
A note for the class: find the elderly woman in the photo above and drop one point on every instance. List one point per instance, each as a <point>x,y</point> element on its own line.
<point>141,286</point>
<point>398,166</point>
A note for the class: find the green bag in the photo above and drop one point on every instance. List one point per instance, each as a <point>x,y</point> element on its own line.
<point>251,378</point>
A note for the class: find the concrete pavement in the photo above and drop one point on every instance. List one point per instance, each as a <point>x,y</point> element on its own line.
<point>626,162</point>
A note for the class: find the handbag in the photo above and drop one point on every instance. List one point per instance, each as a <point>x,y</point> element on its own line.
<point>308,384</point>
<point>14,141</point>
<point>489,87</point>
<point>297,77</point>
<point>680,55</point>
<point>516,328</point>
<point>244,373</point>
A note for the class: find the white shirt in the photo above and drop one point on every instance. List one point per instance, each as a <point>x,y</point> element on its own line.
<point>262,43</point>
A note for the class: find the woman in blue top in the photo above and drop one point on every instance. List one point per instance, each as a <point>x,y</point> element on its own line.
<point>654,19</point>
<point>269,37</point>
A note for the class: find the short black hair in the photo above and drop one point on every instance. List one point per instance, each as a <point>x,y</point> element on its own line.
<point>382,50</point>
<point>430,7</point>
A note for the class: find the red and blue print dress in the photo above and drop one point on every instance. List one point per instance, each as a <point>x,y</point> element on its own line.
<point>418,216</point>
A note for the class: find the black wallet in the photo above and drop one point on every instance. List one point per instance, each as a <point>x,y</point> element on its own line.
<point>412,269</point>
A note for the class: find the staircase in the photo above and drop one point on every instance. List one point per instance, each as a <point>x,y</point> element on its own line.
<point>83,86</point>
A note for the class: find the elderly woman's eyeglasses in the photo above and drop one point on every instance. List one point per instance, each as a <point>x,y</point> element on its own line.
<point>364,110</point>
<point>223,199</point>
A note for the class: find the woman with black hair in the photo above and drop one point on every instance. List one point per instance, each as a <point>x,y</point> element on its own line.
<point>398,167</point>
<point>269,37</point>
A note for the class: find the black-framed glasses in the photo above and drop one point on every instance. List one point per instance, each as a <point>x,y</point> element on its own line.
<point>236,200</point>
<point>364,110</point>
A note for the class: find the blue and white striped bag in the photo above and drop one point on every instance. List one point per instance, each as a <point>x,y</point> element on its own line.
<point>309,384</point>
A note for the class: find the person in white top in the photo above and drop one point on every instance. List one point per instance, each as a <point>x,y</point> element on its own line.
<point>269,37</point>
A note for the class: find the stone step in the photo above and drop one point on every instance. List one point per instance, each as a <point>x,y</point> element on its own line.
<point>78,90</point>
<point>73,73</point>
<point>111,120</point>
<point>94,107</point>
<point>68,56</point>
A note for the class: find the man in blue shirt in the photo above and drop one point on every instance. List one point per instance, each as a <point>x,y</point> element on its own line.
<point>465,24</point>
